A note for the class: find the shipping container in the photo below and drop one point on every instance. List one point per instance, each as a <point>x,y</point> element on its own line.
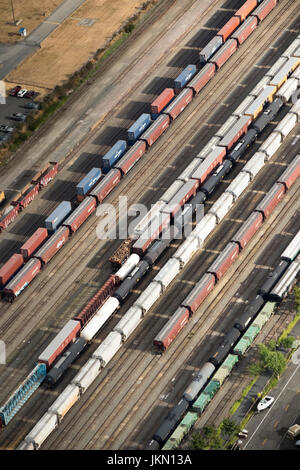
<point>140,125</point>
<point>199,293</point>
<point>225,259</point>
<point>22,279</point>
<point>246,9</point>
<point>229,27</point>
<point>61,341</point>
<point>80,214</point>
<point>34,242</point>
<point>172,328</point>
<point>156,129</point>
<point>264,9</point>
<point>113,155</point>
<point>208,51</point>
<point>224,53</point>
<point>131,157</point>
<point>270,201</point>
<point>238,185</point>
<point>10,268</point>
<point>53,245</point>
<point>88,182</point>
<point>202,78</point>
<point>255,164</point>
<point>237,130</point>
<point>184,77</point>
<point>162,101</point>
<point>108,348</point>
<point>244,31</point>
<point>248,229</point>
<point>214,158</point>
<point>222,206</point>
<point>58,216</point>
<point>106,185</point>
<point>179,103</point>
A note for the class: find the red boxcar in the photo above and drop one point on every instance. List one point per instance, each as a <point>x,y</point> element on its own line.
<point>173,327</point>
<point>224,260</point>
<point>98,299</point>
<point>181,197</point>
<point>202,78</point>
<point>246,9</point>
<point>28,195</point>
<point>106,185</point>
<point>49,174</point>
<point>34,242</point>
<point>270,201</point>
<point>290,175</point>
<point>237,130</point>
<point>264,9</point>
<point>213,159</point>
<point>156,129</point>
<point>10,214</point>
<point>248,229</point>
<point>80,214</point>
<point>57,346</point>
<point>131,157</point>
<point>229,27</point>
<point>10,268</point>
<point>162,101</point>
<point>152,232</point>
<point>224,53</point>
<point>242,33</point>
<point>22,279</point>
<point>199,293</point>
<point>53,245</point>
<point>179,103</point>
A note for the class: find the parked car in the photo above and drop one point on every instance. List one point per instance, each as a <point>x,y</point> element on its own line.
<point>15,90</point>
<point>18,117</point>
<point>31,105</point>
<point>6,128</point>
<point>265,403</point>
<point>22,92</point>
<point>29,94</point>
<point>3,138</point>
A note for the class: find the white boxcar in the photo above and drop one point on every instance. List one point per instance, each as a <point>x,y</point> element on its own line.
<point>292,249</point>
<point>260,86</point>
<point>288,67</point>
<point>65,401</point>
<point>129,322</point>
<point>277,66</point>
<point>226,126</point>
<point>100,317</point>
<point>149,296</point>
<point>287,90</point>
<point>186,174</point>
<point>171,191</point>
<point>222,206</point>
<point>255,164</point>
<point>205,226</point>
<point>287,124</point>
<point>87,374</point>
<point>296,109</point>
<point>238,185</point>
<point>292,48</point>
<point>185,252</point>
<point>271,145</point>
<point>42,430</point>
<point>243,106</point>
<point>108,348</point>
<point>145,221</point>
<point>128,266</point>
<point>296,73</point>
<point>211,144</point>
<point>168,272</point>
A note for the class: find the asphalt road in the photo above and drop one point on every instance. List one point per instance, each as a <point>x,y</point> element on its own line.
<point>123,407</point>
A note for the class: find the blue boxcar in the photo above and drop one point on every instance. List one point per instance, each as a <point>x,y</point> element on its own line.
<point>113,155</point>
<point>185,76</point>
<point>140,125</point>
<point>58,216</point>
<point>88,181</point>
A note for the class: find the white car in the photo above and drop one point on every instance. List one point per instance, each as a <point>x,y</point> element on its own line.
<point>22,93</point>
<point>265,403</point>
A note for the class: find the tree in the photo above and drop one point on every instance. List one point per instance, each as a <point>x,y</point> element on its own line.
<point>230,428</point>
<point>208,439</point>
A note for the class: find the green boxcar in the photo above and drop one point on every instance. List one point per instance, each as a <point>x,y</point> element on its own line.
<point>268,309</point>
<point>189,421</point>
<point>230,361</point>
<point>251,333</point>
<point>242,346</point>
<point>211,388</point>
<point>260,320</point>
<point>169,445</point>
<point>221,375</point>
<point>201,402</point>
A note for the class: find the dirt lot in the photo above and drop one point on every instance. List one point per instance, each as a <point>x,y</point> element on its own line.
<point>32,12</point>
<point>73,43</point>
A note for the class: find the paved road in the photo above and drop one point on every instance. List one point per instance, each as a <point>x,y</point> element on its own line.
<point>12,55</point>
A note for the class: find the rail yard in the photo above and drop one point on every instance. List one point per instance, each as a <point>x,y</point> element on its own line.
<point>124,355</point>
